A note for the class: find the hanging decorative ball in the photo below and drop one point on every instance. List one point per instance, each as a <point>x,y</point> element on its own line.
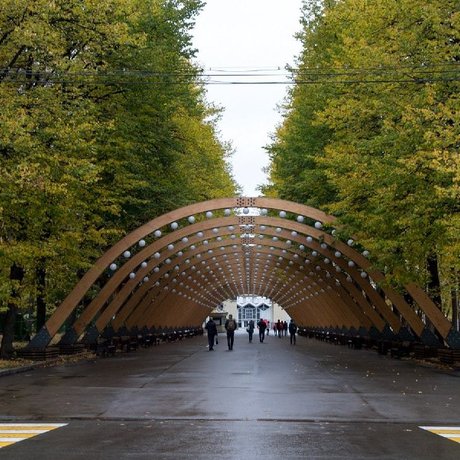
<point>141,243</point>
<point>127,254</point>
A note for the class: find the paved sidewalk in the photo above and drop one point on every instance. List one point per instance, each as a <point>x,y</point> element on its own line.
<point>178,400</point>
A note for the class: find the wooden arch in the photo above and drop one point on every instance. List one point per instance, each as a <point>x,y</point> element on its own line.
<point>174,270</point>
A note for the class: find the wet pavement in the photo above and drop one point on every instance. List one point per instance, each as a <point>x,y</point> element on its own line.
<point>272,400</point>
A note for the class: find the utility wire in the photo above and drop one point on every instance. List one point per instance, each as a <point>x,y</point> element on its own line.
<point>446,72</point>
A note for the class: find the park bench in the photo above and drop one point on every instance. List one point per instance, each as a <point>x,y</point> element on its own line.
<point>400,349</point>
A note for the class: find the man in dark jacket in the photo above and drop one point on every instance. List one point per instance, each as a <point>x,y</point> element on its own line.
<point>292,331</point>
<point>230,327</point>
<point>262,325</point>
<point>212,332</point>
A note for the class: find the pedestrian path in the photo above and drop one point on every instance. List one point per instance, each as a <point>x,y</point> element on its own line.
<point>11,433</point>
<point>449,432</point>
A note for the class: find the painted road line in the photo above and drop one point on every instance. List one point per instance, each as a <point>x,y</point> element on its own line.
<point>449,432</point>
<point>10,433</point>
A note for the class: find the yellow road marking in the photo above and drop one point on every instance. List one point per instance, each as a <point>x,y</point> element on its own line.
<point>11,433</point>
<point>449,432</point>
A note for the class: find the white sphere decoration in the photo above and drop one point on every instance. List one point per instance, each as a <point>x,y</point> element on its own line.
<point>205,242</point>
<point>146,278</point>
<point>300,219</point>
<point>307,261</point>
<point>126,254</point>
<point>157,255</point>
<point>301,247</point>
<point>326,260</point>
<point>350,242</point>
<point>337,254</point>
<point>132,275</point>
<point>170,247</point>
<point>231,228</point>
<point>338,269</point>
<point>314,253</point>
<point>184,239</point>
<point>166,275</point>
<point>323,246</point>
<point>144,264</point>
<point>263,212</point>
<point>233,237</point>
<point>245,210</point>
<point>157,233</point>
<point>156,269</point>
<point>227,212</point>
<point>363,274</point>
<point>180,254</point>
<point>192,247</point>
<point>263,227</point>
<point>278,230</point>
<point>275,238</point>
<point>191,219</point>
<point>351,263</point>
<point>113,267</point>
<point>309,239</point>
<point>157,283</point>
<point>199,234</point>
<point>366,253</point>
<point>261,237</point>
<point>282,214</point>
<point>215,230</point>
<point>318,225</point>
<point>167,261</point>
<point>349,279</point>
<point>219,238</point>
<point>174,225</point>
<point>208,214</point>
<point>288,242</point>
<point>294,234</point>
<point>141,243</point>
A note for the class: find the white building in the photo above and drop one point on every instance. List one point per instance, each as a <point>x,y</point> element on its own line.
<point>246,308</point>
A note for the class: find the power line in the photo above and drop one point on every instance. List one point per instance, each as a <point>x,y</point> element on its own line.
<point>443,72</point>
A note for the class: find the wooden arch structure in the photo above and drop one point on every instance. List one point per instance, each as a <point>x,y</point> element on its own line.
<point>174,270</point>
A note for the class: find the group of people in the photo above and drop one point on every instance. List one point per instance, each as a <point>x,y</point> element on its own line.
<point>231,326</point>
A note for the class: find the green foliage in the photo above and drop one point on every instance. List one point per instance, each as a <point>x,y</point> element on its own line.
<point>372,129</point>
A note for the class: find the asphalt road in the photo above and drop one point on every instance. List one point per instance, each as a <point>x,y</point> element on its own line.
<point>272,400</point>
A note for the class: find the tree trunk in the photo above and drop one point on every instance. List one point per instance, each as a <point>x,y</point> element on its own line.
<point>41,304</point>
<point>455,309</point>
<point>6,349</point>
<point>434,285</point>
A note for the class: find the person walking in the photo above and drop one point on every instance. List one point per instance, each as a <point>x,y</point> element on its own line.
<point>211,328</point>
<point>262,325</point>
<point>292,331</point>
<point>230,327</point>
<point>250,330</point>
<point>279,328</point>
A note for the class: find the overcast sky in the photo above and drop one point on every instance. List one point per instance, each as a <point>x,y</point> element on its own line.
<point>248,35</point>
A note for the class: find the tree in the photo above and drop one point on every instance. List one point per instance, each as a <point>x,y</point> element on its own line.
<point>91,134</point>
<point>381,129</point>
